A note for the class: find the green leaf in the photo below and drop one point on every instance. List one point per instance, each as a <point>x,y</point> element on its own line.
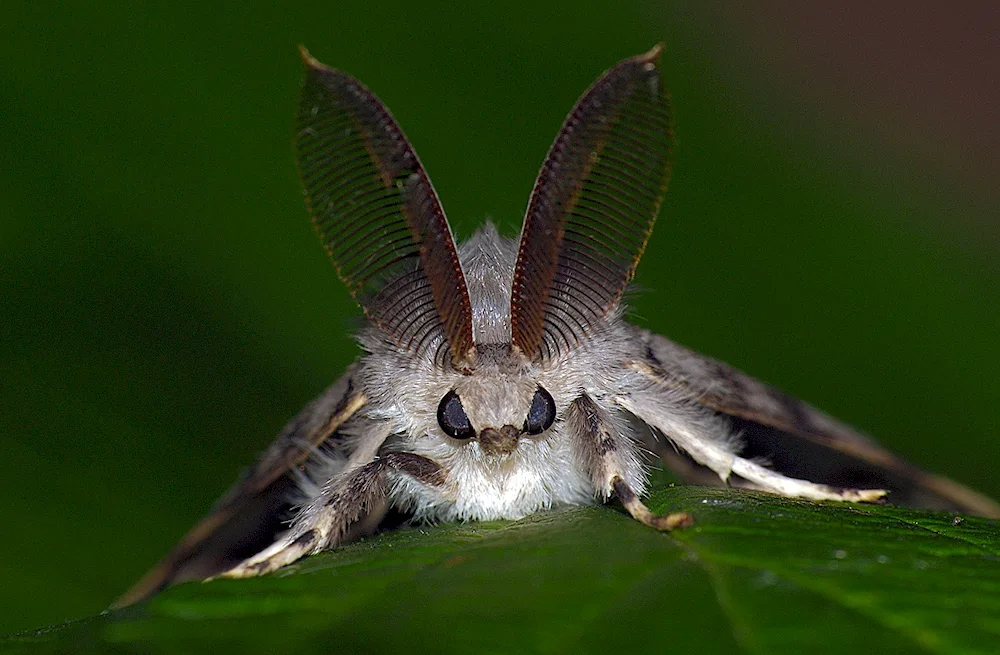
<point>755,574</point>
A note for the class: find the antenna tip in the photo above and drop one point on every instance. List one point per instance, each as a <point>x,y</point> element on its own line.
<point>653,55</point>
<point>307,58</point>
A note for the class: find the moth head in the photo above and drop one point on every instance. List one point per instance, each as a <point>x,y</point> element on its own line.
<point>496,411</point>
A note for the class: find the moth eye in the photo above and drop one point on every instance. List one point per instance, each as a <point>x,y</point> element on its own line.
<point>542,413</point>
<point>452,418</point>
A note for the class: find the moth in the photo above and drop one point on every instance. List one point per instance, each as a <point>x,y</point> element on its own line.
<point>499,377</point>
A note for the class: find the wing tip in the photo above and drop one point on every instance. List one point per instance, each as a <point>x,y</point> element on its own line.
<point>148,586</point>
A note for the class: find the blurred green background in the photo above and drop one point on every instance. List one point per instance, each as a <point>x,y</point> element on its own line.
<point>832,227</point>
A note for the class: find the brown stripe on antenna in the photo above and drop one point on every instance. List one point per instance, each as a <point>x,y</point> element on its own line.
<point>592,209</point>
<point>379,218</point>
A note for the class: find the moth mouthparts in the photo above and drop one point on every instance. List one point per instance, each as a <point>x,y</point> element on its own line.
<point>499,442</point>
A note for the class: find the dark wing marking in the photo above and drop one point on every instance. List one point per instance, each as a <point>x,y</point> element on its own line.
<point>379,217</point>
<point>248,516</point>
<point>592,209</point>
<point>799,440</point>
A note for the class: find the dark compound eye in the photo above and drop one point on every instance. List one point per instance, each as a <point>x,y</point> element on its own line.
<point>541,414</point>
<point>452,418</point>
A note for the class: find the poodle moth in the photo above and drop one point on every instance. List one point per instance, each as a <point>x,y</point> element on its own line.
<point>499,377</point>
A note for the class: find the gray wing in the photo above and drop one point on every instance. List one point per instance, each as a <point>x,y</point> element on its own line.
<point>797,439</point>
<point>246,519</point>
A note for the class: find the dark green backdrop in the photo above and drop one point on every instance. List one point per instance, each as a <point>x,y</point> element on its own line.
<point>165,307</point>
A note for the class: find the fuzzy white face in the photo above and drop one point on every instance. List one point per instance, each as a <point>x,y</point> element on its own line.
<point>534,472</point>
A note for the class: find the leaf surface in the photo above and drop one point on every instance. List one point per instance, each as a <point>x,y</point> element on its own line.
<point>756,574</point>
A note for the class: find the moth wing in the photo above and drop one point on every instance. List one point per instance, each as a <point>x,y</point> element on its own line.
<point>795,438</point>
<point>246,518</point>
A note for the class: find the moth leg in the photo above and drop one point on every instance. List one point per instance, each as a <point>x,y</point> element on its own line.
<point>638,510</point>
<point>325,521</point>
<point>765,479</point>
<point>707,439</point>
<point>612,461</point>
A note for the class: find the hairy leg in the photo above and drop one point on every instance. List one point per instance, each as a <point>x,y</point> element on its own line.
<point>707,438</point>
<point>612,460</point>
<point>325,521</point>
